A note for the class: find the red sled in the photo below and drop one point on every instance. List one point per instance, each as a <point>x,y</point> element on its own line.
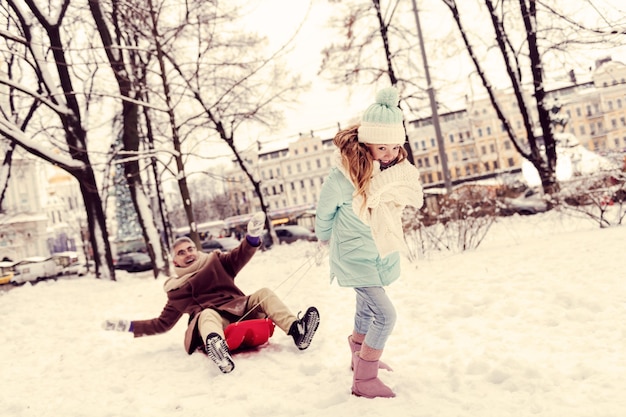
<point>248,333</point>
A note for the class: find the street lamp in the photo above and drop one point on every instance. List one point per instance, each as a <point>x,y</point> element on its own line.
<point>433,106</point>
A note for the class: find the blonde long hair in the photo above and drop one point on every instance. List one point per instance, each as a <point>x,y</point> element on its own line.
<point>357,159</point>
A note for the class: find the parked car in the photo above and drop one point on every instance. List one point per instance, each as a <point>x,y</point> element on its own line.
<point>134,262</point>
<point>223,244</point>
<point>79,269</point>
<point>35,268</point>
<point>68,261</point>
<point>6,271</point>
<point>530,202</point>
<point>290,233</point>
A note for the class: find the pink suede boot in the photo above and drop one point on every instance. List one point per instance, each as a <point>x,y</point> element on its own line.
<point>365,382</point>
<point>355,347</point>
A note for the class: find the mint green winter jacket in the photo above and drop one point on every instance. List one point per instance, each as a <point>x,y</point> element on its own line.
<point>354,259</point>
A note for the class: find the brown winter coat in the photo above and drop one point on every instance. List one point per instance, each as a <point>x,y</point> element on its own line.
<point>212,287</point>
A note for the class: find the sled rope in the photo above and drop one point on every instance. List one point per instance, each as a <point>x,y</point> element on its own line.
<point>308,263</point>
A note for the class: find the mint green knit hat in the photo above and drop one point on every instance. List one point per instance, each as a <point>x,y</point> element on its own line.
<point>382,121</point>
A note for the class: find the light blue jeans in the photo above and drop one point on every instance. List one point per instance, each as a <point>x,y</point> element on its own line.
<point>375,315</point>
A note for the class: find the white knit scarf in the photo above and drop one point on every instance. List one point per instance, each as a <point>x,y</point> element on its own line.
<point>184,273</point>
<point>389,192</point>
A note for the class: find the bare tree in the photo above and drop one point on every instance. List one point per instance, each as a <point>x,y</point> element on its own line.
<point>529,149</point>
<point>224,81</point>
<point>123,53</point>
<point>523,51</point>
<point>374,46</point>
<point>37,42</point>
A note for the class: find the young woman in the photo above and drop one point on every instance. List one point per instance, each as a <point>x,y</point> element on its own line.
<point>359,215</point>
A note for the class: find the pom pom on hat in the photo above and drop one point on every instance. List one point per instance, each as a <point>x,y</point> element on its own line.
<point>382,121</point>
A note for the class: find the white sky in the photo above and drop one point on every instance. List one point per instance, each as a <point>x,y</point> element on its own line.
<point>324,105</point>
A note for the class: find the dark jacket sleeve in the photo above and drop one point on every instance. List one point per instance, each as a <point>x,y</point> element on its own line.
<point>236,259</point>
<point>168,319</point>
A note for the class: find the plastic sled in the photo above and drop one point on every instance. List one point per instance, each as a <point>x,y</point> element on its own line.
<point>248,333</point>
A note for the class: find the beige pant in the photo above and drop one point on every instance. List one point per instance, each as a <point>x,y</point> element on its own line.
<point>269,304</point>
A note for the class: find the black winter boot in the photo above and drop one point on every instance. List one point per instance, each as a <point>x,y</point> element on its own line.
<point>217,349</point>
<point>302,330</point>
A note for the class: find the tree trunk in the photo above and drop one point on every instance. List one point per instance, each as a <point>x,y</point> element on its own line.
<point>130,134</point>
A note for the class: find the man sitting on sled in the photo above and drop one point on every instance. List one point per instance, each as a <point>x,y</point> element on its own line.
<point>205,289</point>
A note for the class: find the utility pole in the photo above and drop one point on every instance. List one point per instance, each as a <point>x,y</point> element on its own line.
<point>433,106</point>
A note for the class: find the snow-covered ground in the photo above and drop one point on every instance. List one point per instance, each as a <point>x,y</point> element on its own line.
<point>532,323</point>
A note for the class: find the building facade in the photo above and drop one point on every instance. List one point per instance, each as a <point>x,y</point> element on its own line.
<point>475,142</point>
<point>42,212</point>
<point>23,222</point>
